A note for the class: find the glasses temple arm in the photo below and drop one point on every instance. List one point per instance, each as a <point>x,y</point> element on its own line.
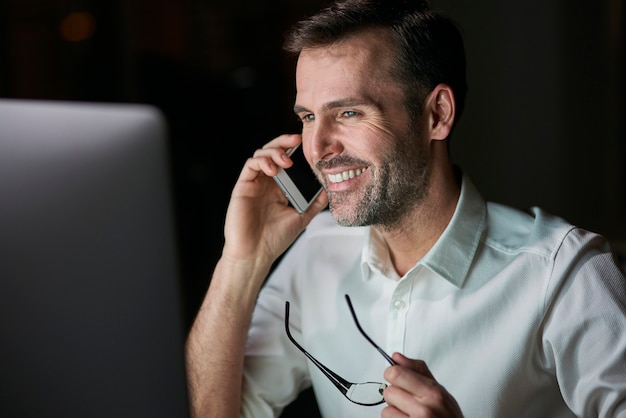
<point>367,337</point>
<point>337,380</point>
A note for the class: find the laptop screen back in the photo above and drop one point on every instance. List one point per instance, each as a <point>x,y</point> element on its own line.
<point>90,306</point>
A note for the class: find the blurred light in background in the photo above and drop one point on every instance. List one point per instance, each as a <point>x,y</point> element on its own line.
<point>78,26</point>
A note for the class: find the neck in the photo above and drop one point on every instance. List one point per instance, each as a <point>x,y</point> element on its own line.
<point>419,230</point>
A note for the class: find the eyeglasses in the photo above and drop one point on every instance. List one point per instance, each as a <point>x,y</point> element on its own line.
<point>367,393</point>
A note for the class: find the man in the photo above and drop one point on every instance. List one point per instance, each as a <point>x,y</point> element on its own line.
<point>488,311</point>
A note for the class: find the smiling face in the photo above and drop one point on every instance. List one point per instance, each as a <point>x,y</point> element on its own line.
<point>371,157</point>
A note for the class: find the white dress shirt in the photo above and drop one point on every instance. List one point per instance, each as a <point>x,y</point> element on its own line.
<point>517,314</point>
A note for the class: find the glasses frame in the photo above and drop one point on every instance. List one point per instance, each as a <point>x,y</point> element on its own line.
<point>340,383</point>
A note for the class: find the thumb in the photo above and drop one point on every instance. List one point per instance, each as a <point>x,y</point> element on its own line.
<point>418,366</point>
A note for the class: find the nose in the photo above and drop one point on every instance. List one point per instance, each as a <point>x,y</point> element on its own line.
<point>321,140</point>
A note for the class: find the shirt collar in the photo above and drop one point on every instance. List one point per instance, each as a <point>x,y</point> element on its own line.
<point>452,254</point>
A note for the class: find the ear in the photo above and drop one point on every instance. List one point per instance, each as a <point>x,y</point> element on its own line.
<point>441,108</point>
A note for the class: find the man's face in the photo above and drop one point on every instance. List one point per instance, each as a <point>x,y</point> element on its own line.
<point>370,157</point>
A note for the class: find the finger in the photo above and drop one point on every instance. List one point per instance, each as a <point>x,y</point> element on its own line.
<point>413,389</point>
<point>419,366</point>
<point>284,141</point>
<point>411,377</point>
<point>393,412</point>
<point>320,202</point>
<point>434,399</point>
<point>414,378</point>
<point>265,160</point>
<point>272,156</point>
<point>255,166</point>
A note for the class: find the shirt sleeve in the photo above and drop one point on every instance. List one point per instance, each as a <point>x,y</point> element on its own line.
<point>274,371</point>
<point>584,338</point>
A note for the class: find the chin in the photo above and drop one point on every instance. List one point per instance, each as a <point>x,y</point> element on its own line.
<point>345,216</point>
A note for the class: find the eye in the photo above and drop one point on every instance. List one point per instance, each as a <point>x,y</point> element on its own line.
<point>306,117</point>
<point>349,113</point>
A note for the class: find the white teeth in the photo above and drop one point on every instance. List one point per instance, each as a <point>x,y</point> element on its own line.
<point>346,175</point>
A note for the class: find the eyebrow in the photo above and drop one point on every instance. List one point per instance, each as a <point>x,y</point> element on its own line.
<point>335,104</point>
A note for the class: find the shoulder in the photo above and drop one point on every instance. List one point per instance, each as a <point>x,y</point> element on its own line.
<point>534,230</point>
<point>542,239</point>
<point>555,254</point>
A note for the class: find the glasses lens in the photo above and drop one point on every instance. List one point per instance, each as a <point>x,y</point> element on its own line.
<point>369,393</point>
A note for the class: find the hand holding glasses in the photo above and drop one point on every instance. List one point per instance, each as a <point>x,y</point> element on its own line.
<point>366,393</point>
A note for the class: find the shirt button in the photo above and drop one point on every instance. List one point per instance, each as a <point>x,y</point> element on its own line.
<point>399,305</point>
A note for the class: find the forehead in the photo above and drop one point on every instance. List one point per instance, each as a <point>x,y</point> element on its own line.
<point>359,63</point>
<point>366,45</point>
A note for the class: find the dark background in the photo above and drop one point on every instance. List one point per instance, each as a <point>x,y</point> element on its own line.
<point>544,124</point>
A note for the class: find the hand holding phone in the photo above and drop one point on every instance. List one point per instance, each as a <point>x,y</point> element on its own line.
<point>298,182</point>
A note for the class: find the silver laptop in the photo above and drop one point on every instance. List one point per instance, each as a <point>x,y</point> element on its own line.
<point>91,314</point>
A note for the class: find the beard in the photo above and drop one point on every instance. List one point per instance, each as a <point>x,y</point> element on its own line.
<point>398,185</point>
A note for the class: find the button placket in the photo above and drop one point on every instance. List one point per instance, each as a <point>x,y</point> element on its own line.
<point>399,305</point>
<point>398,309</point>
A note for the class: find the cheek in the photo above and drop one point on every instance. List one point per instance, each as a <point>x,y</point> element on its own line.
<point>379,135</point>
<point>379,128</point>
<point>391,123</point>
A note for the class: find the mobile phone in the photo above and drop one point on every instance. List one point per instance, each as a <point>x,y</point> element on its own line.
<point>298,182</point>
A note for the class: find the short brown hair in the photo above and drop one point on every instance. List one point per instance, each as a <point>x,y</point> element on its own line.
<point>430,47</point>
